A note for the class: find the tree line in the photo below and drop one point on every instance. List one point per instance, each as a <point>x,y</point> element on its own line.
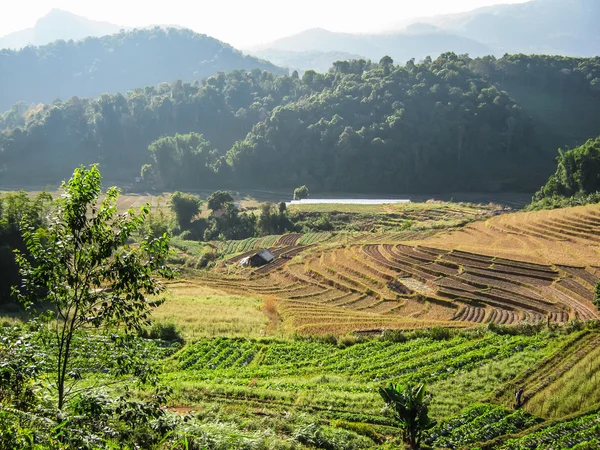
<point>437,125</point>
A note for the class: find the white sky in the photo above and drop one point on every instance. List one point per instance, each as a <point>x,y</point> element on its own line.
<point>241,23</point>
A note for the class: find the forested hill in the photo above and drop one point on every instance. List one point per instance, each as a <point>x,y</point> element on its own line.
<point>115,63</point>
<point>437,126</point>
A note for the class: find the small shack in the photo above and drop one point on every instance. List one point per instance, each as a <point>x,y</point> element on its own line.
<point>258,259</point>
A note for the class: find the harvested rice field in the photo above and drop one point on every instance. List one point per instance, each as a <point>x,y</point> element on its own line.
<point>509,269</point>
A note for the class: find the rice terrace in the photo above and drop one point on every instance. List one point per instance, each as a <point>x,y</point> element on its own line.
<point>459,300</point>
<point>383,238</point>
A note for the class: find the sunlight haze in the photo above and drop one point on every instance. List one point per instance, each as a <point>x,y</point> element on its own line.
<point>240,23</point>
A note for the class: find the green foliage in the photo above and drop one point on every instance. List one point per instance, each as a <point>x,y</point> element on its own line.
<point>478,423</point>
<point>315,436</point>
<point>557,201</point>
<point>364,429</point>
<point>118,129</point>
<point>273,219</point>
<point>597,295</point>
<point>219,200</point>
<point>567,434</point>
<point>186,207</point>
<point>409,405</point>
<point>360,127</point>
<point>163,331</point>
<point>92,276</point>
<point>226,221</point>
<point>577,177</point>
<point>14,208</point>
<point>183,160</point>
<point>301,193</point>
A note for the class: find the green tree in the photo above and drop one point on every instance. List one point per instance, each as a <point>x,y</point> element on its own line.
<point>185,207</point>
<point>301,193</point>
<point>218,200</point>
<point>87,272</point>
<point>409,405</point>
<point>15,207</point>
<point>597,295</point>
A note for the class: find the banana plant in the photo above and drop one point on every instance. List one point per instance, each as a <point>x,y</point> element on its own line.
<point>409,405</point>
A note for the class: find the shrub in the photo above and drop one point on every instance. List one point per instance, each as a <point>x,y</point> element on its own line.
<point>349,340</point>
<point>163,331</point>
<point>393,336</point>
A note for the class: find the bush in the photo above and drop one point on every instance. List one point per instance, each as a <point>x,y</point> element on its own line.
<point>301,193</point>
<point>393,336</point>
<point>522,329</point>
<point>163,331</point>
<point>349,340</point>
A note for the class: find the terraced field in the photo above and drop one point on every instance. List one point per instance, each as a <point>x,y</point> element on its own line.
<point>569,237</point>
<point>328,282</point>
<point>264,380</point>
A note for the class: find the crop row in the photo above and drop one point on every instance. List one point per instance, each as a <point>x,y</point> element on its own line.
<point>479,423</point>
<point>423,360</point>
<point>563,435</point>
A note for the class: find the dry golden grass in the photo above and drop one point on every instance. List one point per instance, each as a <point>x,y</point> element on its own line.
<point>521,236</point>
<point>270,310</point>
<point>200,311</point>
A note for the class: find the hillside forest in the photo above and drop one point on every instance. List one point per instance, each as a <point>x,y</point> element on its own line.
<point>362,126</point>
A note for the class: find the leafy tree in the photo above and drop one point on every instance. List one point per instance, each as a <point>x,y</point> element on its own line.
<point>88,272</point>
<point>14,208</point>
<point>185,207</point>
<point>218,200</point>
<point>301,193</point>
<point>597,295</point>
<point>409,404</point>
<point>578,172</point>
<point>273,220</point>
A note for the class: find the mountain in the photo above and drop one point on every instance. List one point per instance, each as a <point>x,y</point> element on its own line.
<point>115,63</point>
<point>566,27</point>
<point>411,43</point>
<point>58,24</point>
<point>303,61</point>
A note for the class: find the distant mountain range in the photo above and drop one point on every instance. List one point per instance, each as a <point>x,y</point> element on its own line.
<point>304,60</point>
<point>116,63</point>
<point>565,27</point>
<point>58,24</point>
<point>317,44</point>
<point>561,27</point>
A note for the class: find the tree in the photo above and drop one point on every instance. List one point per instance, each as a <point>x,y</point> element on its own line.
<point>85,272</point>
<point>218,200</point>
<point>14,207</point>
<point>185,207</point>
<point>301,193</point>
<point>409,405</point>
<point>597,295</point>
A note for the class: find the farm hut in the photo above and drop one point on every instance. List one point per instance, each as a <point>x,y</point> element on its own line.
<point>259,258</point>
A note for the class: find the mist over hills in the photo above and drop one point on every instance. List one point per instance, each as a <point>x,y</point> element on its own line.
<point>55,25</point>
<point>115,63</point>
<point>566,27</point>
<point>411,43</point>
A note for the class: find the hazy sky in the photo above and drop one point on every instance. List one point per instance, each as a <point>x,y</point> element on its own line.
<point>241,23</point>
